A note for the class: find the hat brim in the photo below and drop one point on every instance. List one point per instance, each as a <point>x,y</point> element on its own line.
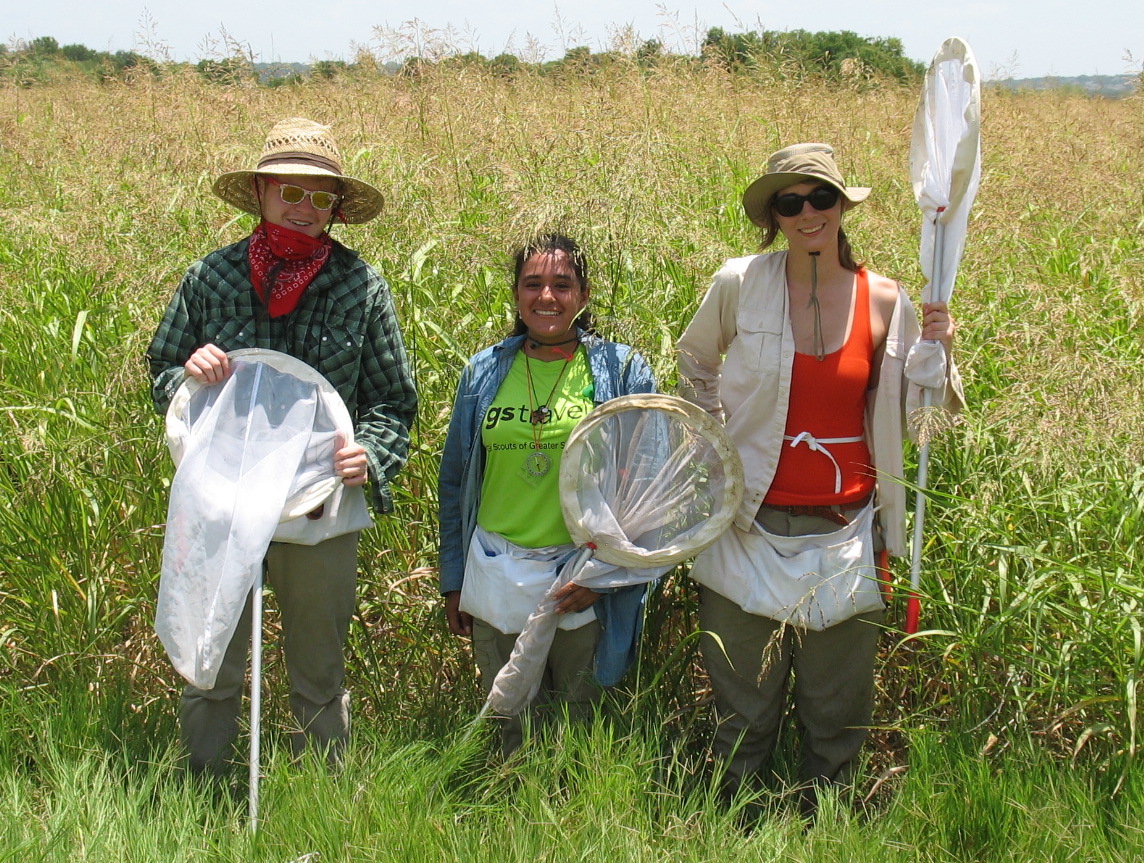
<point>758,195</point>
<point>360,201</point>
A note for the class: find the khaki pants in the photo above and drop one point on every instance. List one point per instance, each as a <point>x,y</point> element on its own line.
<point>315,591</point>
<point>833,680</point>
<point>568,680</point>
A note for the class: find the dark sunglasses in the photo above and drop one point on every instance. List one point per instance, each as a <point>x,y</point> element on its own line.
<point>790,204</point>
<point>292,194</point>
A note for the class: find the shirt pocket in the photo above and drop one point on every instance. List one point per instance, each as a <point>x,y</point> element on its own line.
<point>758,335</point>
<point>332,344</point>
<point>229,325</point>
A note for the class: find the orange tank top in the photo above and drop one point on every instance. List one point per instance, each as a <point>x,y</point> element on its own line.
<point>825,459</point>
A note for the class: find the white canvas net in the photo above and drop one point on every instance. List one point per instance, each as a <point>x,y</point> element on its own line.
<point>945,162</point>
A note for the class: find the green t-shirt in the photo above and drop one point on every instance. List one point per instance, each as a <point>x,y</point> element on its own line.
<point>520,498</point>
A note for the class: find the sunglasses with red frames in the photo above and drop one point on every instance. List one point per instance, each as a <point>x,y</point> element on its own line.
<point>292,194</point>
<point>790,204</point>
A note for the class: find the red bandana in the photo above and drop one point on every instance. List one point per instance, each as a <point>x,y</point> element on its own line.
<point>287,261</point>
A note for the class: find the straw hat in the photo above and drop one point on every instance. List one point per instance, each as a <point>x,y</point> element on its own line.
<point>300,147</point>
<point>792,165</point>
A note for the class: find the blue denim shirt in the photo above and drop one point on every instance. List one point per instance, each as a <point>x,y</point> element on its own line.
<point>617,370</point>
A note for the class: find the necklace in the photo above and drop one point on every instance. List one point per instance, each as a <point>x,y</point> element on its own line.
<point>536,343</point>
<point>537,463</point>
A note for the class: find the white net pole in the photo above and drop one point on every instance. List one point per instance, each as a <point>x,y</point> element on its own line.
<point>255,698</point>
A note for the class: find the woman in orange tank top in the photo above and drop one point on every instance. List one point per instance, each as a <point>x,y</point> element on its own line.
<point>789,348</point>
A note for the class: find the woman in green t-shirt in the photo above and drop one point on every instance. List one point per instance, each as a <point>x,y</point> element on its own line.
<point>502,531</point>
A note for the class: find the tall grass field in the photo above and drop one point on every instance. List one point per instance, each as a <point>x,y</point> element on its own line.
<point>1008,729</point>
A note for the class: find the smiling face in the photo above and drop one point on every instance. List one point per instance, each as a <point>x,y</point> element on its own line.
<point>811,230</point>
<point>549,296</point>
<point>303,216</point>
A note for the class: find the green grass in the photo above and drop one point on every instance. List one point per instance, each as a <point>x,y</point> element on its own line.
<point>588,793</point>
<point>1015,711</point>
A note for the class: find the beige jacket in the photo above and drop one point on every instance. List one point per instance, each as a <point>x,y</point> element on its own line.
<point>735,361</point>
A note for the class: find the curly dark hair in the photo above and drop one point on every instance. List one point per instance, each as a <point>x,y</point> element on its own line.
<point>546,244</point>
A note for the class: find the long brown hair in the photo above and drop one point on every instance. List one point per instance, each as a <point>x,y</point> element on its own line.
<point>845,252</point>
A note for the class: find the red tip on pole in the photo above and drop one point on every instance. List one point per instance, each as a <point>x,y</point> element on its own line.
<point>913,611</point>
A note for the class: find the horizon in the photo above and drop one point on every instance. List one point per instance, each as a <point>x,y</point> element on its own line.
<point>1006,40</point>
<point>257,62</point>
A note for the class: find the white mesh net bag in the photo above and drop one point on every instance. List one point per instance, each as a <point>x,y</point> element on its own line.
<point>251,452</point>
<point>646,481</point>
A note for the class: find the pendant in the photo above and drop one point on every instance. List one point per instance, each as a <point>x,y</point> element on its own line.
<point>537,463</point>
<point>540,416</point>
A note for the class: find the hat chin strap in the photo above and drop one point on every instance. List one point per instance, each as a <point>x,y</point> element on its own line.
<point>819,344</point>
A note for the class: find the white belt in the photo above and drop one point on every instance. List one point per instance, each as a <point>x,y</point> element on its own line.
<point>818,445</point>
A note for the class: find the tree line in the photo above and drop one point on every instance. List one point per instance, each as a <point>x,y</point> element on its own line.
<point>830,54</point>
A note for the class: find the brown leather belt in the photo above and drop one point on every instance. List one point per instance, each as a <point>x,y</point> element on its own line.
<point>835,513</point>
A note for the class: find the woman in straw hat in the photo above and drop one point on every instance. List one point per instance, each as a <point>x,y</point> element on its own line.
<point>291,287</point>
<point>802,352</point>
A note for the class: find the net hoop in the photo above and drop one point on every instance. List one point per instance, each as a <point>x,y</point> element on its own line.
<point>695,419</point>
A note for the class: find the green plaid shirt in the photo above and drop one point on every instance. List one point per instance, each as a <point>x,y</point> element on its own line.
<point>344,326</point>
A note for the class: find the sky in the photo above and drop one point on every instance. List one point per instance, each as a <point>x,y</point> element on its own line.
<point>1009,38</point>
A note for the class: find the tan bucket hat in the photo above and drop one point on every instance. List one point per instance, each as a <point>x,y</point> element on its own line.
<point>792,165</point>
<point>301,147</point>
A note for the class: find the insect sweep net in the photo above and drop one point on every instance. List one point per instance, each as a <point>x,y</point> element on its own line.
<point>251,452</point>
<point>945,170</point>
<point>646,481</point>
